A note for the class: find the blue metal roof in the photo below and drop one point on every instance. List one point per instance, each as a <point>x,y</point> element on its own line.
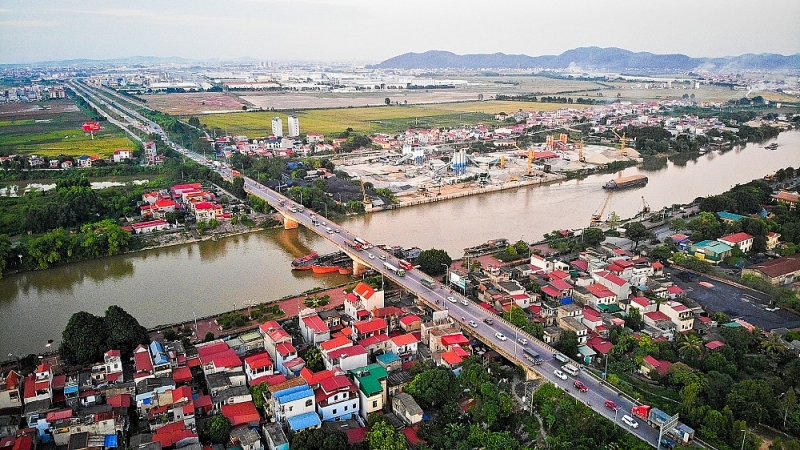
<point>110,441</point>
<point>387,358</point>
<point>307,392</point>
<point>303,421</point>
<point>290,390</point>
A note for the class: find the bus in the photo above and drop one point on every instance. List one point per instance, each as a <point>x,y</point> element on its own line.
<point>427,283</point>
<point>398,272</point>
<point>532,356</point>
<point>405,265</point>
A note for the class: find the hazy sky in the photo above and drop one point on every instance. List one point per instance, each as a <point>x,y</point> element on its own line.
<point>374,30</point>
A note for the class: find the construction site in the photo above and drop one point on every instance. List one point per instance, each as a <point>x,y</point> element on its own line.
<point>422,174</point>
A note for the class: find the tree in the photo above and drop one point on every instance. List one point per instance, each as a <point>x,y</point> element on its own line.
<point>382,436</point>
<point>83,340</point>
<point>124,333</point>
<point>636,232</point>
<point>257,392</point>
<point>593,236</point>
<point>773,345</point>
<point>661,252</point>
<point>634,320</point>
<point>5,252</point>
<point>432,261</point>
<point>434,386</point>
<point>690,347</point>
<point>218,429</point>
<point>752,400</point>
<point>568,344</point>
<point>313,359</point>
<point>319,439</point>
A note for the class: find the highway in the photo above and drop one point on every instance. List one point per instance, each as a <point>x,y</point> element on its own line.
<point>460,309</point>
<point>463,311</point>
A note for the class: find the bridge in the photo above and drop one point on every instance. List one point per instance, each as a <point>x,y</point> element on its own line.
<point>501,335</point>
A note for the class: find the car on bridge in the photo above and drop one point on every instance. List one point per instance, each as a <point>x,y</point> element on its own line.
<point>560,374</point>
<point>611,405</point>
<point>473,324</point>
<point>465,302</point>
<point>522,341</point>
<point>500,336</point>
<point>630,421</point>
<point>452,299</point>
<point>488,321</point>
<point>580,386</point>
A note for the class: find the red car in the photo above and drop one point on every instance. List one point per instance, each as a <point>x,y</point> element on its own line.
<point>611,405</point>
<point>580,386</point>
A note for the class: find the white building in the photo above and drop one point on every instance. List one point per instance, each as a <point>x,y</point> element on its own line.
<point>679,314</point>
<point>337,399</point>
<point>277,127</point>
<point>294,126</point>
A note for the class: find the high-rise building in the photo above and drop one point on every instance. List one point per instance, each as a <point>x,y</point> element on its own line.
<point>294,126</point>
<point>277,127</point>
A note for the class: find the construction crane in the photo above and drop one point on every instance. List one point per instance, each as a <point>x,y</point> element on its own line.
<point>597,218</point>
<point>364,193</point>
<point>581,158</point>
<point>645,206</point>
<point>530,160</point>
<point>622,141</point>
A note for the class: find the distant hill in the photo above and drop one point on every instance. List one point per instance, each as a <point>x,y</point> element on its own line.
<point>589,58</point>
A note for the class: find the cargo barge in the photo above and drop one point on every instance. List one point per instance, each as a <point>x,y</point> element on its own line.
<point>305,262</point>
<point>626,182</point>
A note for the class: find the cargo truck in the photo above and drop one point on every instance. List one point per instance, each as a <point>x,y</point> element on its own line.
<point>398,272</point>
<point>427,283</point>
<point>655,417</point>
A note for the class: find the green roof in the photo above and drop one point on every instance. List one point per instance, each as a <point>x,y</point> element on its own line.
<point>369,378</point>
<point>612,308</point>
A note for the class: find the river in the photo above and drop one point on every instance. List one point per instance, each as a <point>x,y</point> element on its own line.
<point>178,283</point>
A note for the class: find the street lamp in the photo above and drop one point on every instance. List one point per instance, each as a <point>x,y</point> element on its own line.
<point>744,437</point>
<point>616,411</point>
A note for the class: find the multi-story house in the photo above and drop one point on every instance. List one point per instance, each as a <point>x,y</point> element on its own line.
<point>258,366</point>
<point>679,314</point>
<point>293,403</point>
<point>600,297</point>
<point>273,335</point>
<point>313,329</point>
<point>10,392</point>
<point>405,346</point>
<point>371,381</point>
<point>742,240</point>
<point>619,286</point>
<point>337,399</point>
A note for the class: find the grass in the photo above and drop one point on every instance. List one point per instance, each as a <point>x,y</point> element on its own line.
<point>54,129</point>
<point>383,119</point>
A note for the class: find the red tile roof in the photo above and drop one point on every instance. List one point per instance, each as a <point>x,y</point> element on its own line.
<point>370,326</point>
<point>404,339</point>
<point>451,358</point>
<point>551,291</point>
<point>558,274</point>
<point>372,340</point>
<point>408,320</point>
<point>316,324</point>
<point>641,301</point>
<point>600,345</point>
<point>735,238</point>
<point>599,291</point>
<point>657,316</point>
<point>713,345</point>
<point>454,339</point>
<point>338,342</point>
<point>777,267</point>
<point>182,374</point>
<point>314,378</point>
<point>241,413</point>
<point>364,290</point>
<point>258,361</point>
<point>285,349</point>
<point>612,278</point>
<point>561,285</point>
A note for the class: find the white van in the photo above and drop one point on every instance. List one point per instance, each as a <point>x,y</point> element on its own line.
<point>570,369</point>
<point>560,357</point>
<point>328,230</point>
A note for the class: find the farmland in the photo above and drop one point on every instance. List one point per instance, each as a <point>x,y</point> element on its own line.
<point>52,129</point>
<point>383,119</point>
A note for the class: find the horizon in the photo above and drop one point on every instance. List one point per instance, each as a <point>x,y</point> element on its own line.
<point>312,30</point>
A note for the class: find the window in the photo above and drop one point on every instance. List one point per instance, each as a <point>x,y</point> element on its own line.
<point>345,407</point>
<point>290,408</point>
<point>334,410</point>
<point>374,403</point>
<point>308,403</point>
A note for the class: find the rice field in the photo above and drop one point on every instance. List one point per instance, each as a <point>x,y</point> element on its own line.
<point>384,119</point>
<point>53,128</point>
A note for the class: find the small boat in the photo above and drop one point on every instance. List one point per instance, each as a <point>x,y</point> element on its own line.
<point>773,146</point>
<point>345,270</point>
<point>305,262</point>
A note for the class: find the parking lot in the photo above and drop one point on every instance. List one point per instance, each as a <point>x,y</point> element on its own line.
<point>736,302</point>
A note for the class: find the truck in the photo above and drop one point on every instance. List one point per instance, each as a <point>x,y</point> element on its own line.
<point>427,283</point>
<point>405,265</point>
<point>398,272</point>
<point>353,245</point>
<point>655,417</point>
<point>236,173</point>
<point>532,356</point>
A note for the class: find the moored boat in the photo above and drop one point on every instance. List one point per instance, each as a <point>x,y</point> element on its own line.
<point>305,262</point>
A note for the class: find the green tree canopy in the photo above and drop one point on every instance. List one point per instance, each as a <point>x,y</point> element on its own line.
<point>636,232</point>
<point>431,261</point>
<point>124,333</point>
<point>218,429</point>
<point>86,336</point>
<point>383,436</point>
<point>319,439</point>
<point>434,386</point>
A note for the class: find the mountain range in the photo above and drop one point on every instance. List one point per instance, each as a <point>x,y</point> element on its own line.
<point>591,58</point>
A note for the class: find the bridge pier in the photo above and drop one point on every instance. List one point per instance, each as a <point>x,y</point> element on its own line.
<point>359,268</point>
<point>289,223</point>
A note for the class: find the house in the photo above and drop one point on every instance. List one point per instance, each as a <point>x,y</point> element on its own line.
<point>110,370</point>
<point>258,366</point>
<point>336,399</point>
<point>650,364</point>
<point>150,226</point>
<point>345,358</point>
<point>790,199</point>
<point>313,329</point>
<point>287,361</point>
<point>643,304</point>
<point>363,298</point>
<point>405,346</point>
<point>273,335</point>
<point>291,398</point>
<point>772,240</point>
<point>242,414</point>
<point>10,390</point>
<point>38,385</point>
<point>405,407</point>
<point>742,240</point>
<point>620,287</point>
<point>275,437</point>
<point>679,314</point>
<point>600,297</point>
<point>779,271</point>
<point>371,381</point>
<point>367,328</point>
<point>729,218</point>
<point>246,439</point>
<point>121,155</point>
<point>711,251</point>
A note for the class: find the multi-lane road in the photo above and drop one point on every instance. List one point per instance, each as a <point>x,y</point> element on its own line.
<point>500,335</point>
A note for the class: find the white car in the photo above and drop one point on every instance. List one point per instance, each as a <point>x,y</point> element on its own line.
<point>465,302</point>
<point>371,256</point>
<point>522,341</point>
<point>560,374</point>
<point>473,324</point>
<point>630,421</point>
<point>500,336</point>
<point>382,257</point>
<point>335,230</point>
<point>452,299</point>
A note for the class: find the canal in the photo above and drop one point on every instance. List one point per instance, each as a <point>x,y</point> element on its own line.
<point>178,283</point>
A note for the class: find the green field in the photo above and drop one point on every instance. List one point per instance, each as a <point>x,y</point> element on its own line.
<point>53,128</point>
<point>381,119</point>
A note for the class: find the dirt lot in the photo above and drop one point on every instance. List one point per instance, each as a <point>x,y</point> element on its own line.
<point>194,102</point>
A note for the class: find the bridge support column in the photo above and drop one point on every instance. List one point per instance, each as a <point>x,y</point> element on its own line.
<point>359,268</point>
<point>289,223</point>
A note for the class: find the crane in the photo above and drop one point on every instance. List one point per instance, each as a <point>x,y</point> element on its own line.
<point>364,193</point>
<point>581,158</point>
<point>530,160</point>
<point>597,217</point>
<point>645,206</point>
<point>621,142</point>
